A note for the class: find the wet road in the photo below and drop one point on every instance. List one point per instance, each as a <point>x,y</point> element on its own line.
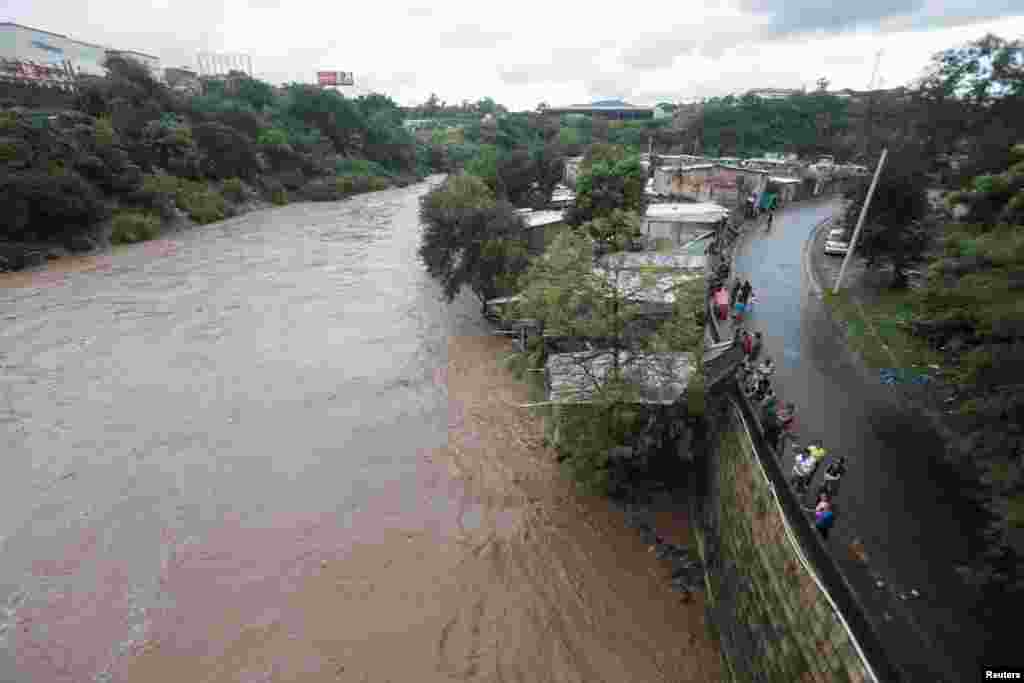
<point>904,507</point>
<point>264,450</point>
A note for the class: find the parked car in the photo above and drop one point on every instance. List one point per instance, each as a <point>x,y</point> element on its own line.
<point>837,243</point>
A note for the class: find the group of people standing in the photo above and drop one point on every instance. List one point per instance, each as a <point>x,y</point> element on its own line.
<point>805,465</point>
<point>778,420</point>
<point>740,300</point>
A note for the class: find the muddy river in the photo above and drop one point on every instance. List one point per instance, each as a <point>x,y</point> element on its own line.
<point>266,451</point>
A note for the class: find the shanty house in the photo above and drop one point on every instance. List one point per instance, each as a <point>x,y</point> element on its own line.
<point>786,189</point>
<point>572,167</point>
<point>542,227</point>
<point>725,185</point>
<point>574,382</point>
<point>674,225</point>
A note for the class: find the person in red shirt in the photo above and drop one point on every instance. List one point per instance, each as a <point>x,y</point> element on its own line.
<point>748,344</point>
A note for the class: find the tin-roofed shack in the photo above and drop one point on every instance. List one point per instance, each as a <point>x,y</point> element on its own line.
<point>673,225</point>
<point>787,189</point>
<point>542,227</point>
<point>661,437</point>
<point>723,184</point>
<point>659,378</point>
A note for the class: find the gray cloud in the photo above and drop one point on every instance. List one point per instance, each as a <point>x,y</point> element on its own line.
<point>843,60</point>
<point>471,37</point>
<point>657,53</point>
<point>565,64</point>
<point>609,86</point>
<point>795,17</point>
<point>798,16</point>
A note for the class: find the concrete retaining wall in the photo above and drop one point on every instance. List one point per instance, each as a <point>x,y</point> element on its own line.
<point>775,617</point>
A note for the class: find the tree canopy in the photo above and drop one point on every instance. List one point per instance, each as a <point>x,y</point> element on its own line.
<point>893,232</point>
<point>470,239</point>
<point>610,178</point>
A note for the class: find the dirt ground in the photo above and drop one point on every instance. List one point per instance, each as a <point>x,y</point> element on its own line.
<point>499,571</point>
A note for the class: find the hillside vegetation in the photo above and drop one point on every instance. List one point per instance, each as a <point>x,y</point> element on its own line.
<point>130,150</point>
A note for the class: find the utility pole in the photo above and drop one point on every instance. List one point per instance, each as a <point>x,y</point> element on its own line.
<point>869,119</point>
<point>860,222</point>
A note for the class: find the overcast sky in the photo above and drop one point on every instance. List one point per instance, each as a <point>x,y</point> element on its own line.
<point>523,53</point>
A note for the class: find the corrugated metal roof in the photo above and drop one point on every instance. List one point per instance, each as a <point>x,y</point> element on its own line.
<point>579,377</point>
<point>535,219</point>
<point>682,259</point>
<point>699,212</point>
<point>691,167</point>
<point>787,181</point>
<point>657,288</point>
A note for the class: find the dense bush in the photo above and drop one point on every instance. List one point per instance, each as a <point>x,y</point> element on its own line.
<point>234,190</point>
<point>134,140</point>
<point>273,137</point>
<point>279,197</point>
<point>363,167</point>
<point>134,226</point>
<point>202,203</point>
<point>229,152</point>
<point>41,205</point>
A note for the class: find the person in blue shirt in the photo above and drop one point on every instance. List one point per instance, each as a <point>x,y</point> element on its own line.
<point>823,520</point>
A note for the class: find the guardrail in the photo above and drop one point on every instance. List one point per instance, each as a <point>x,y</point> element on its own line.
<point>815,556</point>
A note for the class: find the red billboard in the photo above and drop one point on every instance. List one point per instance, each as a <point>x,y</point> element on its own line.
<point>326,78</point>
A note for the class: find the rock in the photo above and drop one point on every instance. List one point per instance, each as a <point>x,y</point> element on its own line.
<point>79,243</point>
<point>34,258</point>
<point>129,179</point>
<point>5,265</point>
<point>15,153</point>
<point>93,168</point>
<point>291,180</point>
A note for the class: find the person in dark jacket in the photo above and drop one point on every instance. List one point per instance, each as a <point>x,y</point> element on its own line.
<point>756,346</point>
<point>745,291</point>
<point>833,473</point>
<point>734,294</point>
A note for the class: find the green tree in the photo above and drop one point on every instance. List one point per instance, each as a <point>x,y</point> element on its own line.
<point>974,92</point>
<point>549,161</point>
<point>617,231</point>
<point>485,166</point>
<point>610,178</point>
<point>469,239</point>
<point>996,198</point>
<point>256,93</point>
<point>516,173</point>
<point>893,232</point>
<point>487,105</point>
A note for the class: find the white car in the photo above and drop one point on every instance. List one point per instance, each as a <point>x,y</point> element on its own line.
<point>837,243</point>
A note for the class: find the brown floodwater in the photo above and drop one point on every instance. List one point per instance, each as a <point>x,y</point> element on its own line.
<point>264,451</point>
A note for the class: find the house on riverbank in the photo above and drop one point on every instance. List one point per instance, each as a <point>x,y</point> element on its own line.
<point>676,224</point>
<point>724,184</point>
<point>542,227</point>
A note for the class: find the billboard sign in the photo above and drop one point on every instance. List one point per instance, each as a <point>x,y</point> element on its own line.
<point>325,78</point>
